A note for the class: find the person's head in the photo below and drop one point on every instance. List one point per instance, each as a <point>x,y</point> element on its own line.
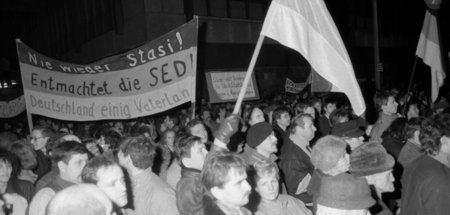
<point>256,116</point>
<point>397,129</point>
<point>371,161</point>
<point>350,131</point>
<point>25,153</point>
<point>329,105</point>
<point>329,155</point>
<point>206,114</point>
<point>385,102</point>
<point>171,121</point>
<point>81,199</point>
<point>413,109</point>
<point>168,138</point>
<point>224,176</point>
<point>413,129</point>
<point>305,108</point>
<point>265,178</point>
<point>339,116</point>
<point>119,127</point>
<point>5,169</point>
<point>137,152</point>
<point>108,176</point>
<point>191,151</point>
<point>281,117</point>
<point>302,126</point>
<point>317,103</point>
<point>91,146</point>
<point>195,127</point>
<point>262,138</point>
<point>40,136</point>
<point>435,134</point>
<point>70,158</point>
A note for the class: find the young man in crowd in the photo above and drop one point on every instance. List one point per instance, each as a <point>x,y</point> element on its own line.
<point>295,160</point>
<point>108,176</point>
<point>190,190</point>
<point>265,179</point>
<point>261,144</point>
<point>387,107</point>
<point>412,148</point>
<point>329,106</point>
<point>70,158</point>
<point>224,177</point>
<point>39,138</point>
<point>426,181</point>
<point>151,195</point>
<point>281,121</point>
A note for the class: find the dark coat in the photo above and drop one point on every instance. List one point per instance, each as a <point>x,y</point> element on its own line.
<point>190,192</point>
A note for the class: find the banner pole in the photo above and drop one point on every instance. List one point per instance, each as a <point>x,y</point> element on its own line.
<point>248,75</point>
<point>30,121</point>
<point>410,83</point>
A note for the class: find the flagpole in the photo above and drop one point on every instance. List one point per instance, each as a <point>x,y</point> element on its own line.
<point>410,83</point>
<point>248,75</point>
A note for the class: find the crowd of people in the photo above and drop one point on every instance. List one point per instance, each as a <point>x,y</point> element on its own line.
<point>287,155</point>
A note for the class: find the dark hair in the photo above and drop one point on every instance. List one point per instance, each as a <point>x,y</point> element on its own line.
<point>431,131</point>
<point>412,126</point>
<point>141,151</point>
<point>185,143</point>
<point>191,124</point>
<point>89,174</point>
<point>64,151</point>
<point>298,121</point>
<point>397,129</point>
<point>45,131</point>
<point>380,99</point>
<point>337,115</point>
<point>20,149</point>
<point>215,171</point>
<point>301,106</point>
<point>278,112</point>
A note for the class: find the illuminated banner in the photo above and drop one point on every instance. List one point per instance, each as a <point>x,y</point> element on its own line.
<point>149,79</point>
<point>225,86</point>
<point>12,108</point>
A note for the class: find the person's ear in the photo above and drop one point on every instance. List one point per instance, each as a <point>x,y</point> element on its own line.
<point>61,166</point>
<point>217,193</point>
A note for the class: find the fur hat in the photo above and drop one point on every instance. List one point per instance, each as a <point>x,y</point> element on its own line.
<point>370,158</point>
<point>257,133</point>
<point>327,152</point>
<point>347,129</point>
<point>345,191</point>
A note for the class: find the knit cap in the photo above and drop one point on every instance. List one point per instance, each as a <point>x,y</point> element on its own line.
<point>257,133</point>
<point>347,129</point>
<point>327,151</point>
<point>345,191</point>
<point>370,158</point>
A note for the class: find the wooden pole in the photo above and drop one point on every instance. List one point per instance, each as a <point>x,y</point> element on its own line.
<point>248,75</point>
<point>376,48</point>
<point>409,85</point>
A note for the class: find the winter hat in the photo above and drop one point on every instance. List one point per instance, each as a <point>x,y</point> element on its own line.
<point>345,191</point>
<point>347,129</point>
<point>327,151</point>
<point>258,133</point>
<point>370,158</point>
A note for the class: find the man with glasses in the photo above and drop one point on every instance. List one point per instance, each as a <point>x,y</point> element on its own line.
<point>39,138</point>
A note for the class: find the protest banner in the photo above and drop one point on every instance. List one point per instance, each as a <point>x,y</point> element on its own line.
<point>149,79</point>
<point>224,86</point>
<point>12,108</point>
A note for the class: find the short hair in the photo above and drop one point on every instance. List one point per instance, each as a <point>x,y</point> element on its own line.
<point>298,121</point>
<point>89,173</point>
<point>261,169</point>
<point>81,199</point>
<point>192,124</point>
<point>412,126</point>
<point>301,107</point>
<point>64,151</point>
<point>380,99</point>
<point>141,151</point>
<point>45,131</point>
<point>337,115</point>
<point>215,171</point>
<point>185,143</point>
<point>23,150</point>
<point>278,112</point>
<point>431,131</point>
<point>397,129</point>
